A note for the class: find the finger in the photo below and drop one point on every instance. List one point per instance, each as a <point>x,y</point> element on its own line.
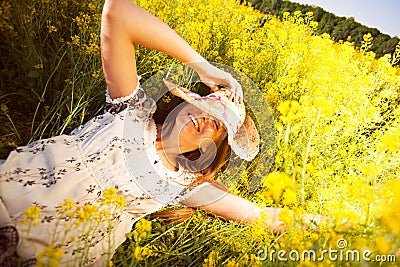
<point>227,90</point>
<point>230,87</point>
<point>212,85</point>
<point>238,93</point>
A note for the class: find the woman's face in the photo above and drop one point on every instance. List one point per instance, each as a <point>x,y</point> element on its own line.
<point>196,129</point>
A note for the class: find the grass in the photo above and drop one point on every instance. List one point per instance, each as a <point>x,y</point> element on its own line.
<point>335,111</point>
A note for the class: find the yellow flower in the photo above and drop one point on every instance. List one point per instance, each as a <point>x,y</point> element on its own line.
<point>111,198</point>
<point>143,225</point>
<point>51,28</point>
<point>109,193</point>
<point>76,40</point>
<point>286,14</point>
<point>166,99</point>
<point>383,245</point>
<point>391,142</point>
<point>280,187</point>
<point>289,197</point>
<point>87,213</point>
<point>68,205</point>
<point>360,243</point>
<point>142,229</point>
<point>67,208</point>
<point>284,107</point>
<point>105,214</point>
<point>140,253</point>
<point>12,144</point>
<point>370,170</point>
<point>212,260</point>
<point>287,216</point>
<point>367,41</point>
<point>137,254</point>
<point>232,263</point>
<point>92,6</point>
<point>390,217</point>
<point>50,256</point>
<point>254,261</point>
<point>32,213</point>
<point>288,110</point>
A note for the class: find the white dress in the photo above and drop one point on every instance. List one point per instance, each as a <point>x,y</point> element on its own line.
<point>115,149</point>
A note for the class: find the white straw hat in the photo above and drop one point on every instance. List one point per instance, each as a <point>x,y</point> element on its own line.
<point>243,136</point>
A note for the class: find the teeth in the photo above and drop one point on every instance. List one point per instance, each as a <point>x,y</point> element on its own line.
<point>194,121</point>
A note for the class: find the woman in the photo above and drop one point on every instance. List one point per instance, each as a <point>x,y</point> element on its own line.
<point>124,149</point>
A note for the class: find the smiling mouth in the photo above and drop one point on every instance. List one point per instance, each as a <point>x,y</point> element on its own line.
<point>195,122</point>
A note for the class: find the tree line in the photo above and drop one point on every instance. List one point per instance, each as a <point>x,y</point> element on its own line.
<point>339,28</point>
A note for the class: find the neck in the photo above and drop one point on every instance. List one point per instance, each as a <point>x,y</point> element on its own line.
<point>166,150</point>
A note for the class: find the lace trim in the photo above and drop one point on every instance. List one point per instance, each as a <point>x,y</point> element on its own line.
<point>134,99</point>
<point>122,98</point>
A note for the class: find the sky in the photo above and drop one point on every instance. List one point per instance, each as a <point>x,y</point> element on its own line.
<point>381,14</point>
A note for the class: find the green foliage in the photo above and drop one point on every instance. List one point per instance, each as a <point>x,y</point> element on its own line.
<point>340,28</point>
<point>51,69</point>
<point>335,107</point>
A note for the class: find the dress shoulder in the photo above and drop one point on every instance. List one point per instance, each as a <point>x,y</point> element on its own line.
<point>136,99</point>
<point>117,105</point>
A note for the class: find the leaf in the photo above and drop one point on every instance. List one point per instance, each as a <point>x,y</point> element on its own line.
<point>4,108</point>
<point>33,74</point>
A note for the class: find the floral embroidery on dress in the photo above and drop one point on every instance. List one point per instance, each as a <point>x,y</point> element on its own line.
<point>80,166</point>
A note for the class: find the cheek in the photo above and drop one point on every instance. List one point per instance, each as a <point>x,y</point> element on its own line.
<point>186,128</point>
<point>188,133</point>
<point>210,133</point>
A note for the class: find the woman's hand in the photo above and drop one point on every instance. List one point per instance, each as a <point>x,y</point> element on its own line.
<point>218,79</point>
<point>313,221</point>
<point>274,223</point>
<point>277,224</point>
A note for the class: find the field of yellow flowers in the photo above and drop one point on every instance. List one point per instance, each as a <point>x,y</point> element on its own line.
<point>336,111</point>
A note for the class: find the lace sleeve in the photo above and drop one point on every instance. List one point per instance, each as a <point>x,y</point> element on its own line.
<point>116,105</point>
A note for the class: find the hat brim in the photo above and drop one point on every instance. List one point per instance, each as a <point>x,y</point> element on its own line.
<point>243,136</point>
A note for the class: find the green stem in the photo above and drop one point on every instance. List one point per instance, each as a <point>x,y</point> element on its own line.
<point>45,89</point>
<point>13,126</point>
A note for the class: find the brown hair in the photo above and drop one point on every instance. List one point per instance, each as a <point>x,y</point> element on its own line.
<point>182,213</point>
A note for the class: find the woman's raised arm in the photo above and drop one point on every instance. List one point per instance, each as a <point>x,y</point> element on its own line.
<point>125,24</point>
